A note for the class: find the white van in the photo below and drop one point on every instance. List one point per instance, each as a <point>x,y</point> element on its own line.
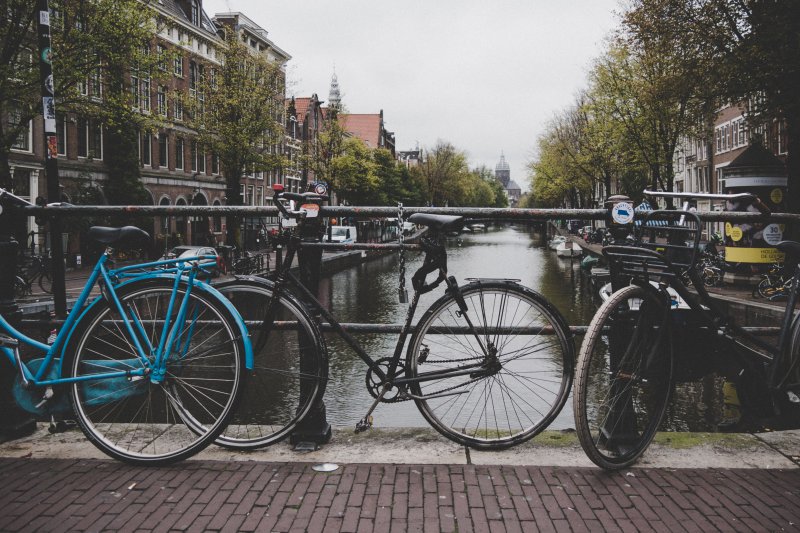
<point>341,234</point>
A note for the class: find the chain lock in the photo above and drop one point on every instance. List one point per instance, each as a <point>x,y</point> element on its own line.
<point>401,292</point>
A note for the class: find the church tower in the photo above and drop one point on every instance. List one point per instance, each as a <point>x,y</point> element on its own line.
<point>502,172</point>
<point>334,96</point>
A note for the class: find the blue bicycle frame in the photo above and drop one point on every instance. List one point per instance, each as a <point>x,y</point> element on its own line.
<point>183,270</point>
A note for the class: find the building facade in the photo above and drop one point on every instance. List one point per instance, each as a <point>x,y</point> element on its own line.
<point>175,168</point>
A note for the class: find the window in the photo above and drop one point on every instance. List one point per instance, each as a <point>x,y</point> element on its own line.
<point>179,149</point>
<point>250,198</point>
<point>195,13</point>
<point>178,67</point>
<point>144,93</point>
<point>178,109</point>
<point>161,99</point>
<point>163,150</point>
<point>61,134</point>
<point>95,87</point>
<point>162,57</point>
<point>201,160</point>
<point>259,195</point>
<point>90,139</point>
<point>782,144</point>
<point>193,156</point>
<point>145,149</point>
<point>23,141</point>
<point>718,138</point>
<point>192,77</point>
<point>214,164</point>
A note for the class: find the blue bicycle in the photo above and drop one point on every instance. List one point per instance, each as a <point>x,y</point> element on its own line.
<point>153,367</point>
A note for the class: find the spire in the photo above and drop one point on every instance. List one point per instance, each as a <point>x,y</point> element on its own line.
<point>334,96</point>
<point>502,171</point>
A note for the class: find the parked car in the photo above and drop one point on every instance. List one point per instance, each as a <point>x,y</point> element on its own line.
<point>342,234</point>
<point>194,251</point>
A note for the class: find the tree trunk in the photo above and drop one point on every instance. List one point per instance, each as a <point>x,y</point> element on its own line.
<point>233,222</point>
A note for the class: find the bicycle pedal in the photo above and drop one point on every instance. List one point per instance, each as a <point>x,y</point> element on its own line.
<point>403,296</point>
<point>364,424</point>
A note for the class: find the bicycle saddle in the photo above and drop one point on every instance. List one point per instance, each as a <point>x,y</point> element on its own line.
<point>125,236</point>
<point>438,222</point>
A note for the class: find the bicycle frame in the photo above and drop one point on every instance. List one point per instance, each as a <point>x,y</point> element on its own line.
<point>185,269</point>
<point>387,378</point>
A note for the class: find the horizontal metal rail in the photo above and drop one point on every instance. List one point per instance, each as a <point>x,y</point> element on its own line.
<point>386,212</point>
<point>360,327</point>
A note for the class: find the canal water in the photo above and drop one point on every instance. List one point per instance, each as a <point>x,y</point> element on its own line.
<point>368,293</point>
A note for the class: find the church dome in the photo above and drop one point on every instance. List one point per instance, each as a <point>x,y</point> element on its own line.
<point>502,165</point>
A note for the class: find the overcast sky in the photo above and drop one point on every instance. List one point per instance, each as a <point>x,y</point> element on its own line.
<point>484,75</point>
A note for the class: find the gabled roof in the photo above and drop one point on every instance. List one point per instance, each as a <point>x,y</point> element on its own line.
<point>366,127</point>
<point>175,10</point>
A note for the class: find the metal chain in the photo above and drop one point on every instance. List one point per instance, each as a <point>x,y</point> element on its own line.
<point>401,239</point>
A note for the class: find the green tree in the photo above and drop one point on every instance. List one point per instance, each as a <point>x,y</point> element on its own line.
<point>93,43</point>
<point>236,111</point>
<point>442,173</point>
<point>356,180</point>
<point>754,48</point>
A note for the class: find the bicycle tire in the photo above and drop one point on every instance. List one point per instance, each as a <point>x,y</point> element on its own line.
<point>511,396</point>
<point>46,281</point>
<point>290,368</point>
<point>619,405</point>
<point>767,287</point>
<point>21,288</point>
<point>141,421</point>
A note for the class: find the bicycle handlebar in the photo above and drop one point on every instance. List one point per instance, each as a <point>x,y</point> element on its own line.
<point>297,197</point>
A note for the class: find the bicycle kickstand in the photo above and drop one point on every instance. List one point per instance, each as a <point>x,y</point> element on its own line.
<point>366,422</point>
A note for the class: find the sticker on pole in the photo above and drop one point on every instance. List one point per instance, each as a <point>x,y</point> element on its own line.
<point>772,234</point>
<point>622,213</point>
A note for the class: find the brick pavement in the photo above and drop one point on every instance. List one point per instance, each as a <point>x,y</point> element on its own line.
<point>98,495</point>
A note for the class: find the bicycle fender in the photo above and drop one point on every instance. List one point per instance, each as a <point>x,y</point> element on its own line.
<point>208,289</point>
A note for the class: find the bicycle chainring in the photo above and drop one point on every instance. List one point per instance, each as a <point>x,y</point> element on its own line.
<point>374,384</point>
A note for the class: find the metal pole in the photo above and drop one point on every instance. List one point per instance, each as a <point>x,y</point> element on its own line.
<point>314,428</point>
<point>51,155</point>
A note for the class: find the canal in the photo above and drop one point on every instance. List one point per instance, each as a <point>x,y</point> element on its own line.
<point>368,293</point>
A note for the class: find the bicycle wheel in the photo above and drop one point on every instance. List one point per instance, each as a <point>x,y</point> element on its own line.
<point>623,377</point>
<point>46,281</point>
<point>142,420</point>
<point>21,289</point>
<point>290,365</point>
<point>501,385</point>
<point>768,287</point>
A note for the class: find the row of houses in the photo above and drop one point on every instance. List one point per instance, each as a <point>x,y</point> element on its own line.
<point>175,168</point>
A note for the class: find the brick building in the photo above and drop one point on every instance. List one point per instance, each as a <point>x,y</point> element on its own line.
<point>175,169</point>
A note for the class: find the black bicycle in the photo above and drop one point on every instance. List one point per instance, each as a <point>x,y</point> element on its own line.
<point>489,364</point>
<point>626,367</point>
<point>33,270</point>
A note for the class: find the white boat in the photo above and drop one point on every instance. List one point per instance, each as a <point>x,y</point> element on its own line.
<point>568,249</point>
<point>555,241</point>
<point>477,227</point>
<point>676,301</point>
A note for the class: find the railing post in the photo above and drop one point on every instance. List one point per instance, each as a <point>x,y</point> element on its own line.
<point>314,428</point>
<point>14,422</point>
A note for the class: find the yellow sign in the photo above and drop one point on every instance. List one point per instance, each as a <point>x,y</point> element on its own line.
<point>776,195</point>
<point>728,228</point>
<point>736,234</point>
<point>752,255</point>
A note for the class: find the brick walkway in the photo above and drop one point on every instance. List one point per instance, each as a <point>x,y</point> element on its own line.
<point>93,495</point>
